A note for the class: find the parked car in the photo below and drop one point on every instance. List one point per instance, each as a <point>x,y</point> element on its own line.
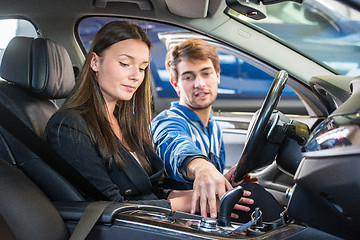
<point>308,161</point>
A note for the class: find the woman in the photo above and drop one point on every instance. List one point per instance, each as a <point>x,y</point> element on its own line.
<point>102,128</point>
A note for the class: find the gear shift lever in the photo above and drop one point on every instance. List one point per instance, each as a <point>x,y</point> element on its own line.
<point>227,203</point>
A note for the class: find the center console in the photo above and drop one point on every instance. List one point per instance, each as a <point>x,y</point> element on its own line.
<point>130,221</point>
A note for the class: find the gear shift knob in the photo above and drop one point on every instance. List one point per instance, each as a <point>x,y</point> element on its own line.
<point>227,203</point>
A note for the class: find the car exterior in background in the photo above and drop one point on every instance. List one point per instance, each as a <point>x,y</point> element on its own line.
<point>242,88</point>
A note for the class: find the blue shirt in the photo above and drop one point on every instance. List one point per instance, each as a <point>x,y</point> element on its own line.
<point>179,133</point>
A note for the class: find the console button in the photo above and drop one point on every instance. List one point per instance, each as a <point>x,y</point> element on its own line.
<point>208,223</point>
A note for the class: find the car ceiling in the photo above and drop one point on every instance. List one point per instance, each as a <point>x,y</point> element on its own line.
<point>213,22</point>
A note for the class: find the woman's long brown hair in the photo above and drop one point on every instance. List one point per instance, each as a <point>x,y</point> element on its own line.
<point>134,116</point>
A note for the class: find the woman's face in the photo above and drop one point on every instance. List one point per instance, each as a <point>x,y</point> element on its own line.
<point>121,69</point>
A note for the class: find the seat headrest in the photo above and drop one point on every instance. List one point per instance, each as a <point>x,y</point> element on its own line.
<point>40,65</point>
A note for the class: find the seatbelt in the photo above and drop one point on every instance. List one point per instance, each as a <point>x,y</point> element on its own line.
<point>88,219</point>
<point>42,149</point>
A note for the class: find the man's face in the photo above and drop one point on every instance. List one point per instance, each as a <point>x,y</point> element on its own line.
<point>197,83</point>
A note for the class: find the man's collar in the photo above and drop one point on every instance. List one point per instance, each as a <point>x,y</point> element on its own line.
<point>189,113</point>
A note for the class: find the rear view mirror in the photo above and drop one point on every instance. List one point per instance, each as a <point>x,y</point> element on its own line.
<point>254,9</point>
<point>251,8</point>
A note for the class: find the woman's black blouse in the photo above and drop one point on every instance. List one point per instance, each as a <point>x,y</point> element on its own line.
<point>68,134</point>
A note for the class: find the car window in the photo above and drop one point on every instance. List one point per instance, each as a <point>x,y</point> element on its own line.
<point>325,30</point>
<point>240,80</point>
<point>10,28</point>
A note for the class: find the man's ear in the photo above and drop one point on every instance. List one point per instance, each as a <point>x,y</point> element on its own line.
<point>174,83</point>
<point>94,62</point>
<point>218,77</point>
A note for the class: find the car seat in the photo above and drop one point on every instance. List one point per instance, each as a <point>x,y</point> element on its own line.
<point>34,72</point>
<point>25,212</point>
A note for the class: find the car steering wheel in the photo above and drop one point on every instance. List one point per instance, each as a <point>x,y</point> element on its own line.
<point>257,134</point>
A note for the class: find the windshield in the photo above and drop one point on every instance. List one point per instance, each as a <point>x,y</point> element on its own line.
<point>325,30</point>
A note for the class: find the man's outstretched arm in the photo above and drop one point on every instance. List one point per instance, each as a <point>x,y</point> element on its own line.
<point>209,186</point>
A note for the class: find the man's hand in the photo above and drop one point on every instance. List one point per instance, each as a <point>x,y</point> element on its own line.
<point>209,186</point>
<point>230,177</point>
<point>248,179</point>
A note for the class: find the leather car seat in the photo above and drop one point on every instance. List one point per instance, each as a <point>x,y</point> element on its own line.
<point>35,72</point>
<point>25,211</point>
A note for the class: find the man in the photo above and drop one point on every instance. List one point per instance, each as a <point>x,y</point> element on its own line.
<point>187,137</point>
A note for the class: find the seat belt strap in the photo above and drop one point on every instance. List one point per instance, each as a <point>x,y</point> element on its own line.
<point>42,149</point>
<point>88,219</point>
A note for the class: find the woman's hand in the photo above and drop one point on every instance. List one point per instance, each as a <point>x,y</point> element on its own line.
<point>243,200</point>
<point>181,201</point>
